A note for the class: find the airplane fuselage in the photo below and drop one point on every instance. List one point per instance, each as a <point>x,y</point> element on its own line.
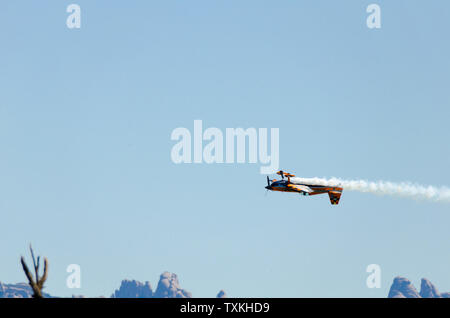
<point>285,186</point>
<point>305,188</point>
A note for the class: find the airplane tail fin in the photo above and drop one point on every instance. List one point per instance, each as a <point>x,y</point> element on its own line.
<point>334,197</point>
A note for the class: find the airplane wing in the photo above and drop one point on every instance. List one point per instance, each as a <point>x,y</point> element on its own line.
<point>334,197</point>
<point>301,188</point>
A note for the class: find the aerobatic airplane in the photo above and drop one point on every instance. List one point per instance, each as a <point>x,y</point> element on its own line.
<point>303,186</point>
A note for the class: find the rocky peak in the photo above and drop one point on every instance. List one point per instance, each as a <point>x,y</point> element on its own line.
<point>221,294</point>
<point>428,290</point>
<point>133,289</point>
<point>402,288</point>
<point>169,287</point>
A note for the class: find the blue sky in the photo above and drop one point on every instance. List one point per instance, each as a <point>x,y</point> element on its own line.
<point>86,117</point>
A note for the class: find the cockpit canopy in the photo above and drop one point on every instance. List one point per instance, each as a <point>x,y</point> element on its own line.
<point>281,183</point>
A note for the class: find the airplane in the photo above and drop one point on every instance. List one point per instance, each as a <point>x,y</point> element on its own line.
<point>305,187</point>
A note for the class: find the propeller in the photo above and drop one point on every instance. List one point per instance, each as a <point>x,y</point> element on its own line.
<point>268,186</point>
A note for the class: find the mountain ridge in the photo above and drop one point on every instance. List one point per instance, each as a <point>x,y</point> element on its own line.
<point>403,288</point>
<point>167,287</point>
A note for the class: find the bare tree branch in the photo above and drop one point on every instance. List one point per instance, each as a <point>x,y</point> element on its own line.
<point>26,270</point>
<point>37,283</point>
<point>44,275</point>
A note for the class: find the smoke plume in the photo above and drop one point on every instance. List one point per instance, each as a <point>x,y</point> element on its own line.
<point>403,189</point>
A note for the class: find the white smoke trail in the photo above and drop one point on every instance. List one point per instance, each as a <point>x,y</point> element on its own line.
<point>404,189</point>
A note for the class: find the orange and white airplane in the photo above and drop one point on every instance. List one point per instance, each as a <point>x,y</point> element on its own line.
<point>303,186</point>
